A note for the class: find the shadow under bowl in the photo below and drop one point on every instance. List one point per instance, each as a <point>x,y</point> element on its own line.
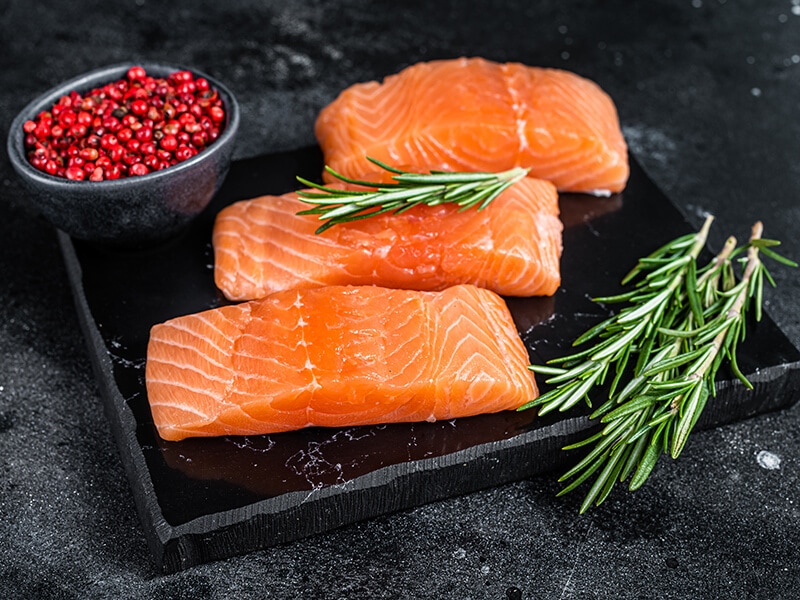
<point>132,211</point>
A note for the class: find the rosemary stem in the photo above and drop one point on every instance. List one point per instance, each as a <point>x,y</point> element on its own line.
<point>719,260</point>
<point>735,312</point>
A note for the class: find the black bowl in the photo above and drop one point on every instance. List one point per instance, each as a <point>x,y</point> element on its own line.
<point>131,211</point>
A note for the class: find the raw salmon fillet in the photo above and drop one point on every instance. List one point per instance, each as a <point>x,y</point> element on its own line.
<point>335,357</point>
<point>512,247</point>
<point>471,114</point>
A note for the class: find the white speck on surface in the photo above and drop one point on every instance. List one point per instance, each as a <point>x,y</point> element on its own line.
<point>565,55</point>
<point>768,460</point>
<point>459,554</point>
<point>796,10</point>
<point>751,60</point>
<point>562,29</point>
<point>782,18</point>
<point>485,570</point>
<point>756,92</point>
<point>697,3</point>
<point>796,57</point>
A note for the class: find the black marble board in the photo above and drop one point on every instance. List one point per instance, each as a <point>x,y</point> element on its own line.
<point>206,499</point>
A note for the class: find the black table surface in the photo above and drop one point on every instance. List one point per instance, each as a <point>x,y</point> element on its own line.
<point>707,92</point>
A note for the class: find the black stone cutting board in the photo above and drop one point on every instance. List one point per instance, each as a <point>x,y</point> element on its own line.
<point>206,499</point>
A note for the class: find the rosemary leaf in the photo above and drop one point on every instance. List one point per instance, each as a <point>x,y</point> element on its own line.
<point>588,472</point>
<point>646,464</point>
<point>692,295</point>
<point>632,386</point>
<point>632,406</point>
<point>580,392</point>
<point>661,419</point>
<point>621,364</point>
<point>759,295</point>
<point>692,410</point>
<point>672,363</point>
<point>768,275</point>
<point>593,332</point>
<point>545,370</point>
<point>609,473</point>
<point>618,298</point>
<point>777,257</point>
<point>635,456</point>
<point>585,442</point>
<point>566,375</point>
<point>736,371</point>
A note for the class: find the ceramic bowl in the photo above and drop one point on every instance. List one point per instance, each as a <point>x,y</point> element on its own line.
<point>131,211</point>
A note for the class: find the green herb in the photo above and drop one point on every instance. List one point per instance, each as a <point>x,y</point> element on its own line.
<point>467,190</point>
<point>662,352</point>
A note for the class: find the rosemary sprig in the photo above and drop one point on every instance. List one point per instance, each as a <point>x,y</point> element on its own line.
<point>666,346</point>
<point>467,190</point>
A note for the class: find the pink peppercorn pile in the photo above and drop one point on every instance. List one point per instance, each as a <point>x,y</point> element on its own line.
<point>129,127</point>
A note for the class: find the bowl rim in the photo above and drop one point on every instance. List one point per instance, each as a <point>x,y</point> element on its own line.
<point>107,74</point>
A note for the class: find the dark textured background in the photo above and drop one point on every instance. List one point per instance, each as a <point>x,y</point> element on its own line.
<point>709,97</point>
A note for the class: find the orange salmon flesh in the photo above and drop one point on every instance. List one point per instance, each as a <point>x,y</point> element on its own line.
<point>512,247</point>
<point>333,357</point>
<point>471,114</point>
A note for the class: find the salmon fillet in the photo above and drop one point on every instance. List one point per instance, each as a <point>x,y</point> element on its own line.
<point>334,357</point>
<point>470,114</point>
<point>512,247</point>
